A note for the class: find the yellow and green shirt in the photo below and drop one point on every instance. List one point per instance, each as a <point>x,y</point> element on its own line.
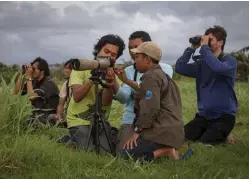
<point>74,109</point>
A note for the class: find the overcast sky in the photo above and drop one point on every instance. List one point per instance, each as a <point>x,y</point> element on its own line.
<point>58,31</point>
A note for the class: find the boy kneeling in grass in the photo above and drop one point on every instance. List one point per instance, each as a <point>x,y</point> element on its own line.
<point>158,128</point>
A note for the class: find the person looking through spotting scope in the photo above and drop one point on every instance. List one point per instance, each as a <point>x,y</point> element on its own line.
<point>83,91</point>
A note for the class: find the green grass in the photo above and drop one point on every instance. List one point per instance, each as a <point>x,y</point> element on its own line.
<point>24,155</point>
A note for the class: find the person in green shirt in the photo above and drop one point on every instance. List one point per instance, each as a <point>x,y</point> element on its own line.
<point>83,92</point>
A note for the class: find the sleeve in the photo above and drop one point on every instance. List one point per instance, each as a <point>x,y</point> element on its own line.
<point>123,94</point>
<point>63,91</point>
<point>77,78</point>
<point>167,69</point>
<point>125,91</point>
<point>182,67</point>
<point>149,103</point>
<point>226,68</point>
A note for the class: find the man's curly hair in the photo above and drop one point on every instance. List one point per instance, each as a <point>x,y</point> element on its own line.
<point>109,39</point>
<point>43,65</point>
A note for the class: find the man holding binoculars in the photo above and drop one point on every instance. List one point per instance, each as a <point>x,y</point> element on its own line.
<point>215,75</point>
<point>40,88</point>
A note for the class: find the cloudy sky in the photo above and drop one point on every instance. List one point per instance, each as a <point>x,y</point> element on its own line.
<point>58,31</point>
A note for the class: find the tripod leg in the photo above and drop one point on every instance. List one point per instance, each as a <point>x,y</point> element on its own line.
<point>107,137</point>
<point>97,143</point>
<point>89,135</point>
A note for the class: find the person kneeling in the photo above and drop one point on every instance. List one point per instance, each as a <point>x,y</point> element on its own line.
<point>215,74</point>
<point>42,91</point>
<point>81,105</point>
<point>158,126</point>
<point>65,96</point>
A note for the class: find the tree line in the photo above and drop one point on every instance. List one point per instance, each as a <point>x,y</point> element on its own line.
<point>242,56</point>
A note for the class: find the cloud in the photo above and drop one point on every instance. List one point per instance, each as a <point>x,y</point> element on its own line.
<point>58,31</point>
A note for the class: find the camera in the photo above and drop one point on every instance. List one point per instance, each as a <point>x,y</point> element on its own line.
<point>197,41</point>
<point>24,67</point>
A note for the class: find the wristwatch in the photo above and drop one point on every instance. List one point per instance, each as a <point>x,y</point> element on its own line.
<point>137,130</point>
<point>29,79</point>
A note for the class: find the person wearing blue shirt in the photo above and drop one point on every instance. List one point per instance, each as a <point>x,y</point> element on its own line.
<point>215,75</point>
<point>131,79</point>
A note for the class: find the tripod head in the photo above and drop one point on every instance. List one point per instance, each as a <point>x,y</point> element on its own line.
<point>98,76</point>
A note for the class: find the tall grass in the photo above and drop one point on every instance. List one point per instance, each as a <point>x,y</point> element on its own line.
<point>37,155</point>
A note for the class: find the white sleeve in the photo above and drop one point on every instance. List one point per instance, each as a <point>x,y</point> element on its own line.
<point>63,91</point>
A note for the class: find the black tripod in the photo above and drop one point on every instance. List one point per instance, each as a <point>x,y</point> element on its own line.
<point>98,120</point>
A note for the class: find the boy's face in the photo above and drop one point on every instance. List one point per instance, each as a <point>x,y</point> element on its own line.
<point>67,71</point>
<point>109,50</point>
<point>134,44</point>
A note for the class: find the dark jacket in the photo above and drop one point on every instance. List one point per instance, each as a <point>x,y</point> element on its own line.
<point>158,109</point>
<point>48,93</point>
<point>215,78</point>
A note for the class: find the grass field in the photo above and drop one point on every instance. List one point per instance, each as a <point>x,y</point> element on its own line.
<point>24,155</point>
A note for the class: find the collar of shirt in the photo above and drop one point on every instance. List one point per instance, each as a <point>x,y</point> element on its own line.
<point>152,68</point>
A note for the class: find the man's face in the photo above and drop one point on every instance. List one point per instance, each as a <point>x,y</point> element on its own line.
<point>134,44</point>
<point>67,71</point>
<point>215,45</point>
<point>109,50</point>
<point>36,71</point>
<point>142,62</point>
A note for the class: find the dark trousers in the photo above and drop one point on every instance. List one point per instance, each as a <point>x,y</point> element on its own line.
<point>144,150</point>
<point>79,136</point>
<point>36,119</point>
<point>206,131</point>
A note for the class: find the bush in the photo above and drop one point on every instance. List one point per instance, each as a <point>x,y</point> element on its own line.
<point>56,72</point>
<point>7,72</point>
<point>243,65</point>
<point>14,109</point>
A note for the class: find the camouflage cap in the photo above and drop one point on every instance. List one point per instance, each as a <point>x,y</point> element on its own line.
<point>149,48</point>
